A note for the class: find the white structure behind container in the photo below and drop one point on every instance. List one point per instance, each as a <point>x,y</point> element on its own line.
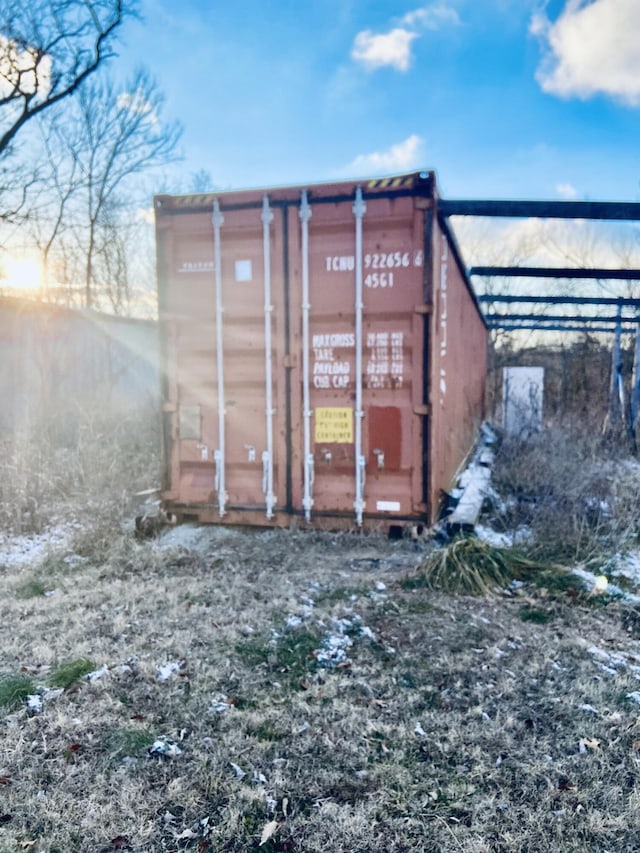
<point>522,400</point>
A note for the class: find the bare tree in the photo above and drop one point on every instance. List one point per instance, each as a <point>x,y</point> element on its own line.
<point>48,48</point>
<point>58,181</point>
<point>111,276</point>
<point>201,181</point>
<point>121,137</point>
<point>98,151</point>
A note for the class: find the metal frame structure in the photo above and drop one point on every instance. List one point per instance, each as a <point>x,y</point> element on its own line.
<point>510,321</point>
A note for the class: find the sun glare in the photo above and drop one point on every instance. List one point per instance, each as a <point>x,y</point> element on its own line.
<point>21,274</point>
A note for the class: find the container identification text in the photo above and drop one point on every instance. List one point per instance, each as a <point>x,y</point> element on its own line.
<point>380,265</point>
<point>330,370</point>
<point>385,365</point>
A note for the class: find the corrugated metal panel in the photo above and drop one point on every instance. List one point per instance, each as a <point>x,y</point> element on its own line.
<point>458,367</point>
<point>294,323</point>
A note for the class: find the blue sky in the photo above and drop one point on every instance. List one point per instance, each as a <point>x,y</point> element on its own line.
<point>503,98</point>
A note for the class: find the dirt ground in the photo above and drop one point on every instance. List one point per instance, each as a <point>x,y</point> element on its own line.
<point>220,690</point>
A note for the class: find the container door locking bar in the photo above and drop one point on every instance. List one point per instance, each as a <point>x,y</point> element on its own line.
<point>219,454</point>
<point>267,456</point>
<point>359,210</point>
<point>305,216</point>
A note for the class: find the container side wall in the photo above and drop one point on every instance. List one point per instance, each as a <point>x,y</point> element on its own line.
<point>458,370</point>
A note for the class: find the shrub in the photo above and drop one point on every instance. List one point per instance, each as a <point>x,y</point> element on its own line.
<point>577,495</point>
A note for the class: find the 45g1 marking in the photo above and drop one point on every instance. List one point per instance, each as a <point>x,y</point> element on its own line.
<point>379,279</point>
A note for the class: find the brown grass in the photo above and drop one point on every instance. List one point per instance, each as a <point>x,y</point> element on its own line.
<point>306,692</point>
<point>455,724</point>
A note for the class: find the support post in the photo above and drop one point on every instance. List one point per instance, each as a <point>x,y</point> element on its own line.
<point>635,390</point>
<point>616,412</point>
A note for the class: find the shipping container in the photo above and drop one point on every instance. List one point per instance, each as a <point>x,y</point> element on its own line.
<point>323,355</point>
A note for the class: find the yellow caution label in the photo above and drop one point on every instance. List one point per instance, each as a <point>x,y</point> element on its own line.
<point>333,425</point>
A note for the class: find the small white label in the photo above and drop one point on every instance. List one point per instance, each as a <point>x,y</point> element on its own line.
<point>196,266</point>
<point>388,506</point>
<point>243,271</point>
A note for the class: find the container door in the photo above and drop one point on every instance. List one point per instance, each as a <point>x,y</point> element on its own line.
<point>228,458</point>
<point>246,463</point>
<point>362,355</point>
<point>190,328</point>
<point>394,358</point>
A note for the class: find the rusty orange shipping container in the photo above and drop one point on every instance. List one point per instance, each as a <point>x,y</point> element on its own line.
<point>323,355</point>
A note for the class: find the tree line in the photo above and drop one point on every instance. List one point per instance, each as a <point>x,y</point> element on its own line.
<point>75,144</point>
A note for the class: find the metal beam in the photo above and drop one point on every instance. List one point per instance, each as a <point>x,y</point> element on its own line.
<point>559,272</point>
<point>561,300</point>
<point>606,210</point>
<point>535,327</point>
<point>559,318</point>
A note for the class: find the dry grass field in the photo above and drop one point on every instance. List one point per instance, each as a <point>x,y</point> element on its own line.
<point>310,693</point>
<point>224,690</point>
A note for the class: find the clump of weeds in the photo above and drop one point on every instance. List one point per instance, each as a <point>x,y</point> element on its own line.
<point>538,615</point>
<point>66,674</point>
<point>471,566</point>
<point>288,653</point>
<point>30,588</point>
<point>14,689</point>
<point>574,493</point>
<point>129,741</point>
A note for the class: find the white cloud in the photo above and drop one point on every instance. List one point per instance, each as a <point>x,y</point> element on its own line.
<point>135,102</point>
<point>567,191</point>
<point>545,242</point>
<point>146,215</point>
<point>393,48</point>
<point>539,24</point>
<point>431,17</point>
<point>398,158</point>
<point>591,48</point>
<point>376,51</point>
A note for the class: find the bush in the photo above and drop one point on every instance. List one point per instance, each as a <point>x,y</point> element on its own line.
<point>576,494</point>
<point>88,461</point>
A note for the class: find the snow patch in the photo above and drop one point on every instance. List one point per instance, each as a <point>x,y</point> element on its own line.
<point>506,539</point>
<point>97,674</point>
<point>20,551</point>
<point>221,704</point>
<point>168,670</point>
<point>625,566</point>
<point>164,747</point>
<point>594,585</point>
<point>612,662</point>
